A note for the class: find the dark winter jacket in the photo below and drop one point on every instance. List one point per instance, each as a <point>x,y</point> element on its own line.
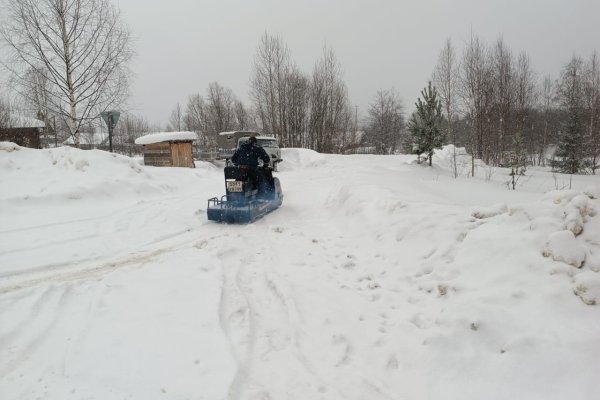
<point>248,154</point>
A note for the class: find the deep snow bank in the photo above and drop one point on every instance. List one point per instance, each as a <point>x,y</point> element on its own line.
<point>64,208</point>
<point>67,173</point>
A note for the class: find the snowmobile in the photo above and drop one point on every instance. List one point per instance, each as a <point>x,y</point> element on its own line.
<point>246,198</point>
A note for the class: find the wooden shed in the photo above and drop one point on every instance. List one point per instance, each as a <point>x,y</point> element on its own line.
<point>168,149</point>
<point>23,131</point>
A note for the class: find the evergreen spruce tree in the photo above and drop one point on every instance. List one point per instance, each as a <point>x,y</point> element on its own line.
<point>426,124</point>
<point>570,156</point>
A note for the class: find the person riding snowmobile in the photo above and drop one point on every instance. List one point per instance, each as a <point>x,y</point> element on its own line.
<point>246,157</point>
<point>249,153</point>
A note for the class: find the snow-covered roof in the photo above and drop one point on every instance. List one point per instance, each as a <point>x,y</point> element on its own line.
<point>20,121</point>
<point>166,137</point>
<point>234,132</point>
<point>263,137</point>
<point>94,138</point>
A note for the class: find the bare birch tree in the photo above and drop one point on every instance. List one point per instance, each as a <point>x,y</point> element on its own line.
<point>525,97</point>
<point>81,46</point>
<point>476,94</point>
<point>445,78</point>
<point>547,108</point>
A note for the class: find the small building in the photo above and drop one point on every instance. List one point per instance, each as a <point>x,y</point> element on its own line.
<point>89,140</point>
<point>168,149</point>
<point>23,131</point>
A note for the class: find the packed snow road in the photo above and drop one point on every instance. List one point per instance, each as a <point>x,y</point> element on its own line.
<point>376,279</point>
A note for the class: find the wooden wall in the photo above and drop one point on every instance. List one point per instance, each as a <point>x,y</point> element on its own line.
<point>157,154</point>
<point>25,137</point>
<point>165,154</point>
<point>181,154</point>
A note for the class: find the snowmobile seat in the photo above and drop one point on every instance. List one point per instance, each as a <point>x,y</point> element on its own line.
<point>237,173</point>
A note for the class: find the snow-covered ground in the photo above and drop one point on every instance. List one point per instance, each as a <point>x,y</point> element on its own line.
<point>377,279</point>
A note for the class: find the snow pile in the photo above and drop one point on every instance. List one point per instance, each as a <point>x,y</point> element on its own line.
<point>587,287</point>
<point>376,279</point>
<point>562,246</point>
<point>572,225</point>
<point>576,225</point>
<point>73,206</point>
<point>294,159</point>
<point>68,174</point>
<point>446,156</point>
<point>9,146</point>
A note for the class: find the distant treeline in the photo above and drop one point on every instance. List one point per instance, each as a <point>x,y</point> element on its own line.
<point>494,104</point>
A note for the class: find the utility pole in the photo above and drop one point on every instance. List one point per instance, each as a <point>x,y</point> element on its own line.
<point>110,131</point>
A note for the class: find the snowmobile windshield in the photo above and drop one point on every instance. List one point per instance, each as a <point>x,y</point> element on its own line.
<point>267,143</point>
<point>263,142</point>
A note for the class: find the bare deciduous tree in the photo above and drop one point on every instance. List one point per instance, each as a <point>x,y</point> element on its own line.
<point>445,78</point>
<point>268,86</point>
<point>547,109</point>
<point>525,98</point>
<point>476,93</point>
<point>502,65</point>
<point>81,46</point>
<point>220,106</point>
<point>242,116</point>
<point>4,113</point>
<point>194,114</point>
<point>219,111</point>
<point>130,127</point>
<point>592,108</point>
<point>297,101</point>
<point>385,121</point>
<point>176,119</point>
<point>328,103</point>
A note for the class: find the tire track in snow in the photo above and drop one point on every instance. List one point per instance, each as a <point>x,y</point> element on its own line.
<point>30,280</point>
<point>235,318</point>
<point>92,267</point>
<point>45,314</point>
<point>260,319</point>
<point>105,236</point>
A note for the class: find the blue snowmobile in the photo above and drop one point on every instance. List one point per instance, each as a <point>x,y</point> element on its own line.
<point>248,196</point>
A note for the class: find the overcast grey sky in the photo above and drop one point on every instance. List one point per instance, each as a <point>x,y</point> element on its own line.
<point>183,45</point>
